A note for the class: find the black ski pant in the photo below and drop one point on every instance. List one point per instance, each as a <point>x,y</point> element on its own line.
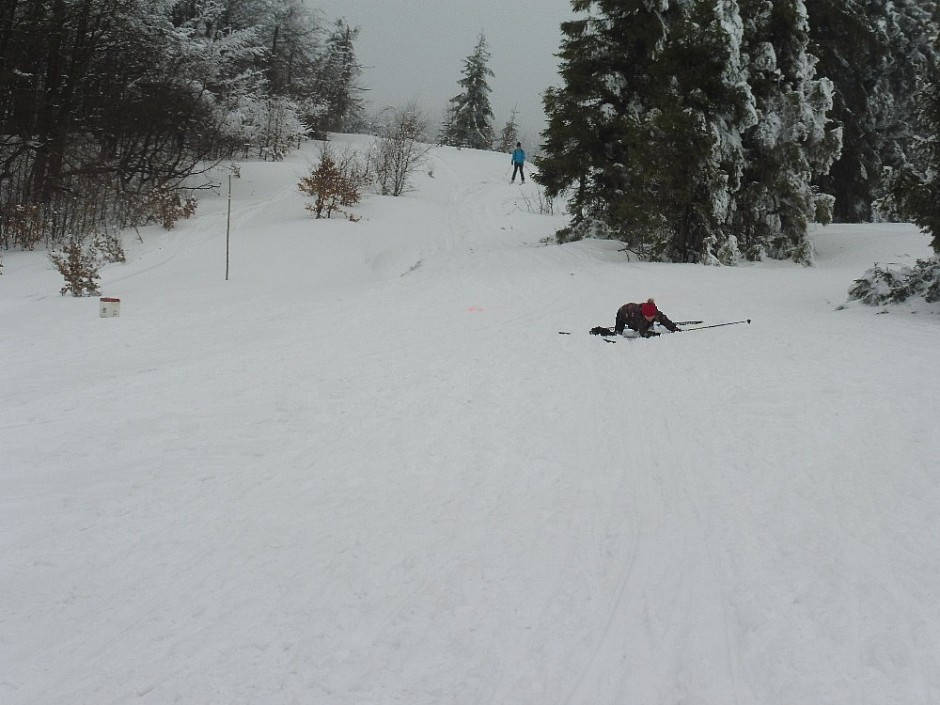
<point>517,168</point>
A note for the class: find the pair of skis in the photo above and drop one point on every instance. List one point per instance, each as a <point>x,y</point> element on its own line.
<point>605,333</point>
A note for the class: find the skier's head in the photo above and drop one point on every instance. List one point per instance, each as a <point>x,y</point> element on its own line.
<point>518,145</point>
<point>648,310</point>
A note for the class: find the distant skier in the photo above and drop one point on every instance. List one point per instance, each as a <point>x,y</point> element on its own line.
<point>518,159</point>
<point>641,317</point>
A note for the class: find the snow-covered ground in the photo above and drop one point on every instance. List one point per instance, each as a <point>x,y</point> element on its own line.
<point>367,469</point>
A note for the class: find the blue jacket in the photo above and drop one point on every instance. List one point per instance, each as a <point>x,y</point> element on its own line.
<point>518,156</point>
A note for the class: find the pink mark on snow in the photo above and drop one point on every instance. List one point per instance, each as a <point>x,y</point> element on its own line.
<point>475,309</point>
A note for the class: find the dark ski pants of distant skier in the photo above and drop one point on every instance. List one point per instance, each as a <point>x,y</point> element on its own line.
<point>517,168</point>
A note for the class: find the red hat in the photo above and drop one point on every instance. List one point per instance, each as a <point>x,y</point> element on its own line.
<point>648,310</point>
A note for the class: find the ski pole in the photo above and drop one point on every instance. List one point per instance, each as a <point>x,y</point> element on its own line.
<point>717,325</point>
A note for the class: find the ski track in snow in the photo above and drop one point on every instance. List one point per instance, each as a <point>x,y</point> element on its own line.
<point>367,469</point>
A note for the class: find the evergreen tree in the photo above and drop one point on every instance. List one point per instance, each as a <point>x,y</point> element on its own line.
<point>509,135</point>
<point>873,51</point>
<point>338,79</point>
<point>851,54</point>
<point>447,120</point>
<point>470,116</point>
<point>646,131</point>
<point>914,64</point>
<point>914,188</point>
<point>792,142</point>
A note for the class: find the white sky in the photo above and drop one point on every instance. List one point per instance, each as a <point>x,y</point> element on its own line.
<point>414,49</point>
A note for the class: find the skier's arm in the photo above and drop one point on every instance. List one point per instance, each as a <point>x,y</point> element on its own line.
<point>663,320</point>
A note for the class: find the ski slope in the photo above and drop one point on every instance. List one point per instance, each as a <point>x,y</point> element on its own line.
<point>367,469</point>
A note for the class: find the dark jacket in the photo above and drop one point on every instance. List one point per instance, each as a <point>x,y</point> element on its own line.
<point>629,316</point>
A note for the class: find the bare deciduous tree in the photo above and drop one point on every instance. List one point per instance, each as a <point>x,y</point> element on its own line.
<point>400,149</point>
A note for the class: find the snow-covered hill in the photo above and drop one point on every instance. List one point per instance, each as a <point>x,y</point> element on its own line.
<point>367,469</point>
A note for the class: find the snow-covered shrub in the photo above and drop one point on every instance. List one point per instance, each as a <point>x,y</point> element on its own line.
<point>587,228</point>
<point>825,207</point>
<point>78,263</point>
<point>885,285</point>
<point>925,279</point>
<point>804,253</point>
<point>110,247</point>
<point>718,253</point>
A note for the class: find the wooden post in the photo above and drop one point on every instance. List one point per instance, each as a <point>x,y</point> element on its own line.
<point>228,224</point>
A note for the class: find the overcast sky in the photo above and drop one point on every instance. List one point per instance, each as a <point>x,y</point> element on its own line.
<point>415,49</point>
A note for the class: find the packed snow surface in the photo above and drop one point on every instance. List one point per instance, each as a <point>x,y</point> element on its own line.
<point>367,469</point>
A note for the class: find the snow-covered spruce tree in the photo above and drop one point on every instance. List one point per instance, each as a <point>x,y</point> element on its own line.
<point>645,135</point>
<point>509,135</point>
<point>793,141</point>
<point>913,191</point>
<point>873,51</point>
<point>447,119</point>
<point>852,54</point>
<point>918,194</point>
<point>338,80</point>
<point>912,38</point>
<point>471,117</point>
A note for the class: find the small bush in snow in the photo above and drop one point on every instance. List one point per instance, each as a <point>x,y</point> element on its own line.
<point>538,203</point>
<point>583,229</point>
<point>825,207</point>
<point>110,247</point>
<point>926,279</point>
<point>78,263</point>
<point>334,183</point>
<point>886,285</point>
